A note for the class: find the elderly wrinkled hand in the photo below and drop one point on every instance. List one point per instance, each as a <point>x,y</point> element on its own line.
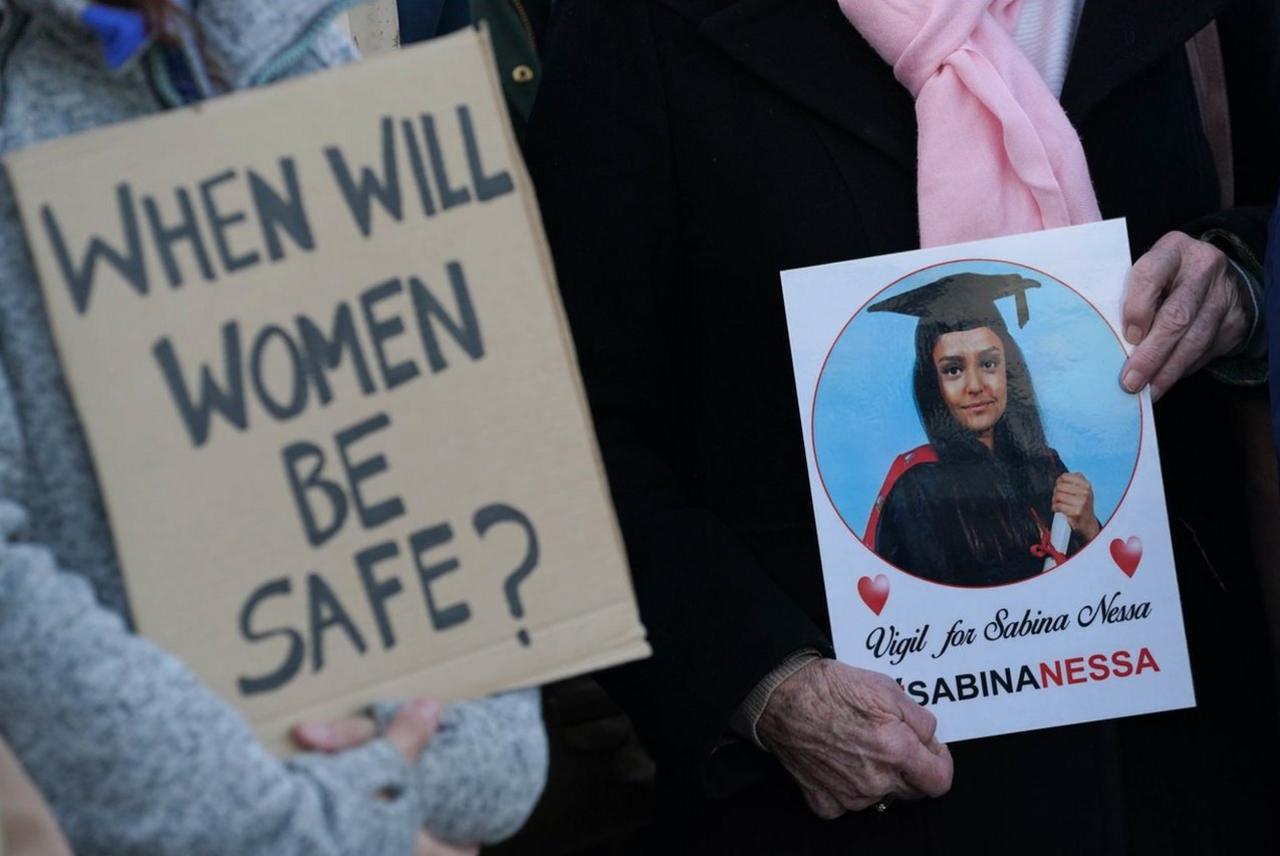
<point>852,738</point>
<point>1182,308</point>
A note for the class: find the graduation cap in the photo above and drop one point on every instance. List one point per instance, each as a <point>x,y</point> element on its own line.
<point>962,297</point>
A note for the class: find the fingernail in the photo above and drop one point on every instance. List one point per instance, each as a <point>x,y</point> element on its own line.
<point>1132,380</point>
<point>1132,334</point>
<point>425,708</point>
<point>315,732</point>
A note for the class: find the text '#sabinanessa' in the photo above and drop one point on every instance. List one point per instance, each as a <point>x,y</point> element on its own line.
<point>1069,671</point>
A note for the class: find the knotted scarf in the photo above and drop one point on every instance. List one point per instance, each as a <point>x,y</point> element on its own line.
<point>997,154</point>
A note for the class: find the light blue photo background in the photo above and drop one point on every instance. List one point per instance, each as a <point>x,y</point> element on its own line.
<point>865,413</point>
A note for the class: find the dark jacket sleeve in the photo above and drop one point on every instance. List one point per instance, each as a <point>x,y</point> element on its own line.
<point>1250,37</point>
<point>600,152</point>
<point>1249,33</point>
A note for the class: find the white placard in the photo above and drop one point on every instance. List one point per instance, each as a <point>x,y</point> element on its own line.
<point>989,645</point>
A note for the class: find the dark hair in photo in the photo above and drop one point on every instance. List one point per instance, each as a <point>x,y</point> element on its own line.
<point>994,491</point>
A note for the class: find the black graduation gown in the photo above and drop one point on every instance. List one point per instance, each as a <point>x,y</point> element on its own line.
<point>920,531</point>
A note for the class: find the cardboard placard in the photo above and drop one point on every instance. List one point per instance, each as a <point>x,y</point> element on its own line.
<point>988,500</point>
<point>313,335</point>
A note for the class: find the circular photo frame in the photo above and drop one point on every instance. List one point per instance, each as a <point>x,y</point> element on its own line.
<point>968,426</point>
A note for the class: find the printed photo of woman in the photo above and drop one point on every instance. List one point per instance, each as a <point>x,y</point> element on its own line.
<point>975,506</point>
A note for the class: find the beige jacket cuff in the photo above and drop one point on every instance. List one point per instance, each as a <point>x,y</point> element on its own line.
<point>744,719</point>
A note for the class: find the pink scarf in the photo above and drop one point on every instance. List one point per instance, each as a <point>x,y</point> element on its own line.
<point>997,155</point>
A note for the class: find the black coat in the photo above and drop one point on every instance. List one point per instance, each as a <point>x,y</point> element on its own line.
<point>686,151</point>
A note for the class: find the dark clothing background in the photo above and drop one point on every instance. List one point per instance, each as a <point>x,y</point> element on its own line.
<point>425,19</point>
<point>515,29</point>
<point>685,152</point>
<point>1273,316</point>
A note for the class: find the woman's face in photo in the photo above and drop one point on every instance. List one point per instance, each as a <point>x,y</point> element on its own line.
<point>971,375</point>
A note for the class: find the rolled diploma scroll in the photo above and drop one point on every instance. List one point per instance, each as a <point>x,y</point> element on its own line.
<point>1059,537</point>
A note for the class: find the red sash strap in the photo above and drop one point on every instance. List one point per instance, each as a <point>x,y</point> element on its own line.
<point>919,455</point>
<point>1045,549</point>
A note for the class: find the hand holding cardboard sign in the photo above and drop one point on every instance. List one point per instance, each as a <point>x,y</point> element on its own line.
<point>409,732</point>
<point>851,737</point>
<point>1182,309</point>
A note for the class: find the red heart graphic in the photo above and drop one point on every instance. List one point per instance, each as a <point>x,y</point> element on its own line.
<point>1127,554</point>
<point>874,592</point>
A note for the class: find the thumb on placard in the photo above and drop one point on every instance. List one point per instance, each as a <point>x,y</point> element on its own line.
<point>413,726</point>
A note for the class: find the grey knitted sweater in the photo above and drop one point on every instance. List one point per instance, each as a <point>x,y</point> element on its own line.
<point>132,752</point>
